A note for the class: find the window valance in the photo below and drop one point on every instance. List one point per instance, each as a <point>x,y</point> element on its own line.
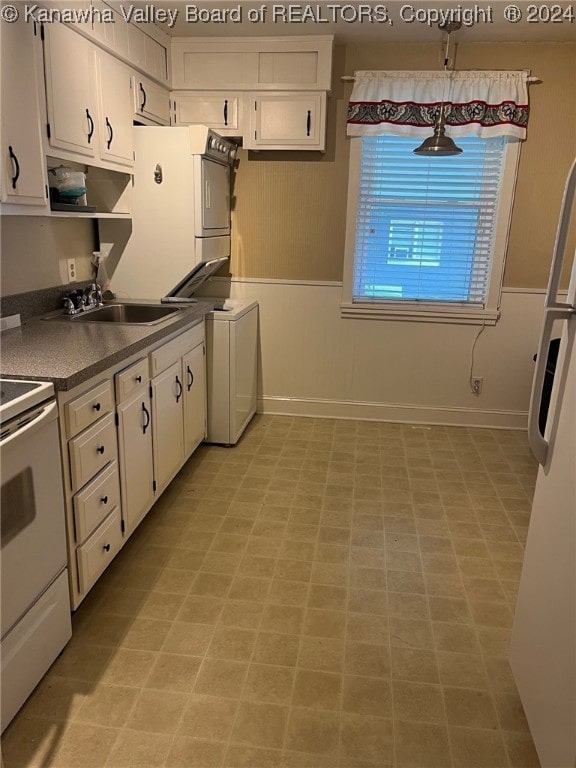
<point>477,103</point>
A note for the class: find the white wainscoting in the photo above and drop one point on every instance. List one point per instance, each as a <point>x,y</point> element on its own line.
<point>313,362</point>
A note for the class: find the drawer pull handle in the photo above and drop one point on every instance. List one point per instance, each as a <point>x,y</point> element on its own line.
<point>100,449</point>
<point>146,413</point>
<point>104,499</point>
<point>110,134</point>
<point>308,123</point>
<point>91,125</point>
<point>106,547</point>
<point>96,406</point>
<point>180,389</point>
<point>225,111</point>
<point>138,379</point>
<point>16,167</point>
<point>190,378</point>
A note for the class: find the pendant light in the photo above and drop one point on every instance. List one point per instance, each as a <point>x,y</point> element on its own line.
<point>440,145</point>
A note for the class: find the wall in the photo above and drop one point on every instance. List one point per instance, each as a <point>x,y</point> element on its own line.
<point>288,247</point>
<point>35,249</point>
<point>289,220</point>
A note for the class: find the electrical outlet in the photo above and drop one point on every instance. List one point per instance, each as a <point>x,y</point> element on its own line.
<point>477,385</point>
<point>71,264</point>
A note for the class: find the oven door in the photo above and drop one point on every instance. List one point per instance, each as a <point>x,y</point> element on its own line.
<point>33,537</point>
<point>211,198</point>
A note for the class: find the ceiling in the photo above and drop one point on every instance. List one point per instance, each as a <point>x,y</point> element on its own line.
<point>357,22</point>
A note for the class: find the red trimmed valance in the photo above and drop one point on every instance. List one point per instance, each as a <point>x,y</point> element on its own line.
<point>477,103</point>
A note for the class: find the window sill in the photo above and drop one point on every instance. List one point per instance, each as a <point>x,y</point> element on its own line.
<point>461,316</point>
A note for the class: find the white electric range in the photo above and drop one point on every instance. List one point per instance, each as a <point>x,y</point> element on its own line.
<point>35,602</point>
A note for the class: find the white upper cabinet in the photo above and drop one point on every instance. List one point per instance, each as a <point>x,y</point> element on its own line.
<point>70,91</point>
<point>286,120</point>
<point>221,110</point>
<point>88,100</point>
<point>269,91</point>
<point>150,102</point>
<point>115,110</point>
<point>252,63</point>
<point>110,29</point>
<point>23,170</point>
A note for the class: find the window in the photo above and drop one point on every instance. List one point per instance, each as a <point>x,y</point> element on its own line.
<point>426,238</point>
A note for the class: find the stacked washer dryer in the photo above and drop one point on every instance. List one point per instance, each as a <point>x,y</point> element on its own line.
<point>181,231</point>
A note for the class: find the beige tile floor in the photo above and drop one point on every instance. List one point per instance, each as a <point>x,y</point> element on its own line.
<point>326,594</point>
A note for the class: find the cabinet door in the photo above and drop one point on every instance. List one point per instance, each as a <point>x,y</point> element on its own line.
<point>197,64</point>
<point>167,421</point>
<point>135,457</point>
<point>194,373</point>
<point>115,114</point>
<point>287,120</point>
<point>156,58</point>
<point>70,90</point>
<point>23,167</point>
<point>151,102</point>
<point>220,110</point>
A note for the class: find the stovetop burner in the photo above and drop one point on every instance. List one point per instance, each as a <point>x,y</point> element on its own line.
<point>18,395</point>
<point>11,389</point>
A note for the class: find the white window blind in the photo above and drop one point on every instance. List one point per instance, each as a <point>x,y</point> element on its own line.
<point>425,228</point>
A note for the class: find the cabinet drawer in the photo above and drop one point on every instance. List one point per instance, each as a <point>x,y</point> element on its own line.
<point>164,356</point>
<point>130,379</point>
<point>88,408</point>
<point>91,451</point>
<point>95,501</point>
<point>99,550</point>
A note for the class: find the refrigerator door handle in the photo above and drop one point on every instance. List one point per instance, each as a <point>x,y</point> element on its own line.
<point>537,441</point>
<point>561,238</point>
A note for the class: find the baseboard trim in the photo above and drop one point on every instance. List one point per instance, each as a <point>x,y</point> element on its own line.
<point>409,414</point>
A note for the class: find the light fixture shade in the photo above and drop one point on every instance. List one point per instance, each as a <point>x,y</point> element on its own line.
<point>438,145</point>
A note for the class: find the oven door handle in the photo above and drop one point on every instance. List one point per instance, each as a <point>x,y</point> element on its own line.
<point>46,415</point>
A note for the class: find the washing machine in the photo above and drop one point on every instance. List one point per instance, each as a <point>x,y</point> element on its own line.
<point>231,368</point>
<point>231,355</point>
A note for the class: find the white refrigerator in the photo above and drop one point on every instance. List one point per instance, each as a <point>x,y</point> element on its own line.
<point>543,645</point>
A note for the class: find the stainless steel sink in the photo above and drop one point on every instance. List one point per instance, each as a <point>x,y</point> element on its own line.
<point>127,314</point>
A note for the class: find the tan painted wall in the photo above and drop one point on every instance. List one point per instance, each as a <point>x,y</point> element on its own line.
<point>289,219</point>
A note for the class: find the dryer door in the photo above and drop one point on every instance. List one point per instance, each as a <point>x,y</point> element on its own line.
<point>213,199</point>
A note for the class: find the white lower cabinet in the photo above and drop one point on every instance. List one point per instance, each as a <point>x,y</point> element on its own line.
<point>125,436</point>
<point>168,423</point>
<point>194,374</point>
<point>96,500</point>
<point>99,550</point>
<point>135,455</point>
<point>178,402</point>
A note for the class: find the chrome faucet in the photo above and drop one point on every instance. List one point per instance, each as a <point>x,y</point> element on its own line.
<point>82,300</point>
<point>92,296</point>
